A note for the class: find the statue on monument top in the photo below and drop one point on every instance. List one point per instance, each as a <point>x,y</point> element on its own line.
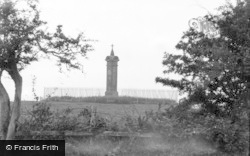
<point>112,56</point>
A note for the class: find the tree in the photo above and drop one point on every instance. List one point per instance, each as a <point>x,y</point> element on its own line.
<point>213,67</point>
<point>23,39</point>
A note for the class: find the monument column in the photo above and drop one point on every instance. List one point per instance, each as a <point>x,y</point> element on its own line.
<point>112,63</point>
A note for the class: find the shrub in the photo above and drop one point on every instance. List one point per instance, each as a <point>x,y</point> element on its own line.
<point>229,135</point>
<point>42,118</point>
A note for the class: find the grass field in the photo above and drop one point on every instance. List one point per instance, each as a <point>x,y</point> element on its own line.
<point>107,110</point>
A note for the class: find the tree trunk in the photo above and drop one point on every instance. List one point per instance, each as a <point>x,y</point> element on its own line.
<point>15,113</point>
<point>4,110</point>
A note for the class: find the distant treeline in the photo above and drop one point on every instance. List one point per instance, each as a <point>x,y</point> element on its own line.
<point>115,100</point>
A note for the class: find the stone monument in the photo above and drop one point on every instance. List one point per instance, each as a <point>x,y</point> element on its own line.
<point>111,88</point>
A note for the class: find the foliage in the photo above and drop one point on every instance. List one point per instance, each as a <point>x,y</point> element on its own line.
<point>213,74</point>
<point>42,118</point>
<point>23,40</point>
<point>183,126</point>
<point>214,65</point>
<point>185,122</point>
<point>231,137</point>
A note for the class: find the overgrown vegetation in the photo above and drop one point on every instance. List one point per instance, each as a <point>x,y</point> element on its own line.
<point>178,130</point>
<point>42,118</point>
<point>215,74</point>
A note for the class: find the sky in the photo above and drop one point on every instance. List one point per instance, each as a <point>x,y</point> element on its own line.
<point>141,31</point>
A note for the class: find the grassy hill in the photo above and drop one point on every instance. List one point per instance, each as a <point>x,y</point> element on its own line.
<point>113,100</point>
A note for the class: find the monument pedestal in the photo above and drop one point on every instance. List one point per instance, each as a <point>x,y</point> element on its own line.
<point>111,93</point>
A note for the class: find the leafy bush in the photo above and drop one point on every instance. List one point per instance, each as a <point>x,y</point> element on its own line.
<point>227,134</point>
<point>63,120</point>
<point>42,118</point>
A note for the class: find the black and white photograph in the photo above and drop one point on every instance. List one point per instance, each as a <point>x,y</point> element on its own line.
<point>124,77</point>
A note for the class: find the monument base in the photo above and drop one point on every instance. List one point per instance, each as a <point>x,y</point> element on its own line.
<point>111,93</point>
